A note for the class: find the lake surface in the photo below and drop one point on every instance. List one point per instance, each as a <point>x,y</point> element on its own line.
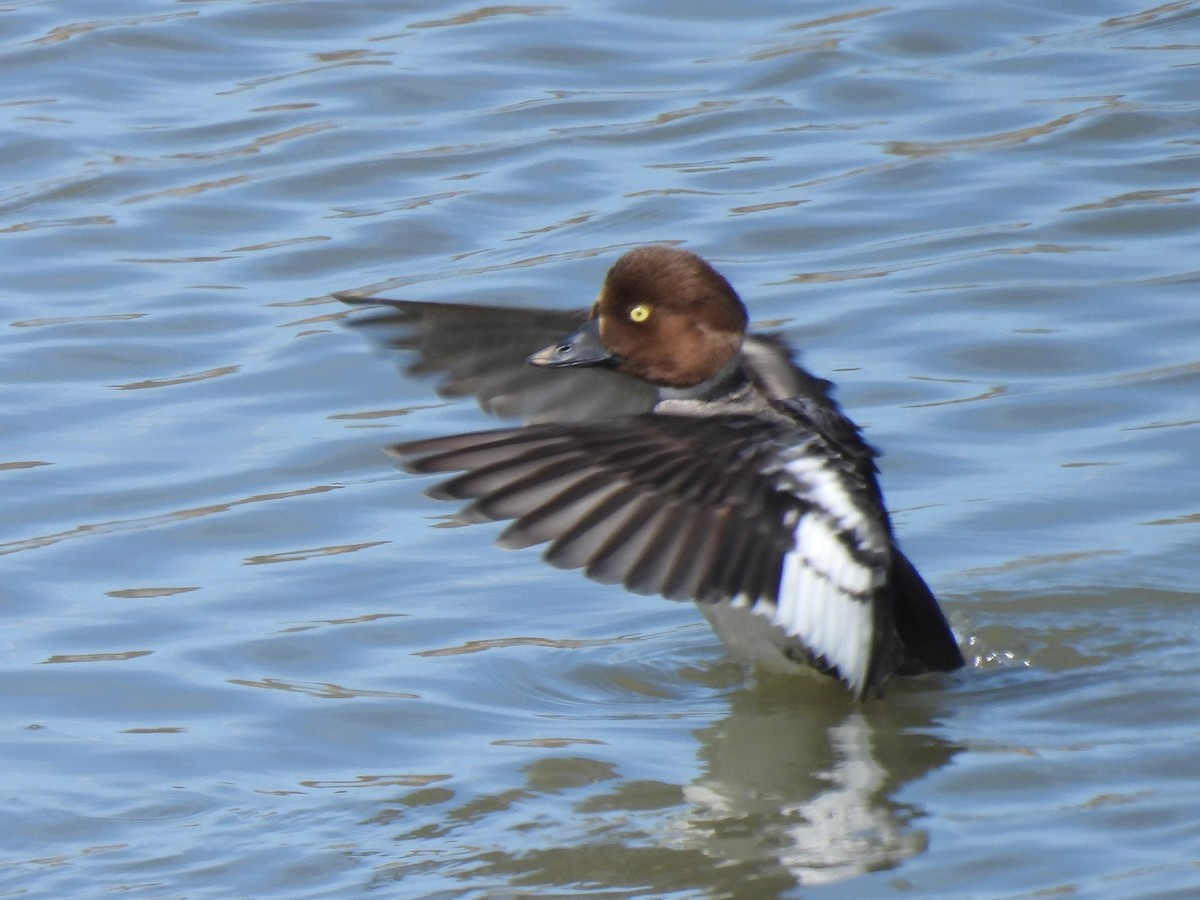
<point>241,657</point>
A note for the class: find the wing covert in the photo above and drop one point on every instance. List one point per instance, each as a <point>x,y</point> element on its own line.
<point>481,351</point>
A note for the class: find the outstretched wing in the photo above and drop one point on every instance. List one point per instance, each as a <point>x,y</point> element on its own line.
<point>480,351</point>
<point>740,509</point>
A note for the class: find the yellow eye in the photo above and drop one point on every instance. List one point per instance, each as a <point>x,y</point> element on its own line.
<point>639,313</point>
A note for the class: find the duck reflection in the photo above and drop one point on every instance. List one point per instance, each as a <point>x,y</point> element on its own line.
<point>789,792</point>
<point>807,788</point>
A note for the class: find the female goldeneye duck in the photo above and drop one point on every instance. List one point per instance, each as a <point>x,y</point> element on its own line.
<point>666,450</point>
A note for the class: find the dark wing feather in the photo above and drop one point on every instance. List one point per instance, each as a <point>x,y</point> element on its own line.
<point>765,511</point>
<point>480,351</point>
<point>681,506</point>
<point>929,644</point>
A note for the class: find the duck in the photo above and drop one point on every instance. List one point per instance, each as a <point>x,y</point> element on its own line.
<point>664,448</point>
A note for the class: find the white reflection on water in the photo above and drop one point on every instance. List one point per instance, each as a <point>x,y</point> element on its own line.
<point>839,832</point>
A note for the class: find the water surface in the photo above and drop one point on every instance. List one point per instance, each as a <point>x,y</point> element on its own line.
<point>241,656</point>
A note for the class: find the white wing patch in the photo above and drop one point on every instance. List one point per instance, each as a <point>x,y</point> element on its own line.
<point>829,578</point>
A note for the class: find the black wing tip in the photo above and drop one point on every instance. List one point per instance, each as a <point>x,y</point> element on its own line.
<point>419,457</point>
<point>356,298</point>
<point>928,640</point>
<point>941,655</point>
<point>383,310</point>
<point>428,456</point>
<point>365,297</point>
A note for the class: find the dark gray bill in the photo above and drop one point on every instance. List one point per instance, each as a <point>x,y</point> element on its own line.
<point>582,347</point>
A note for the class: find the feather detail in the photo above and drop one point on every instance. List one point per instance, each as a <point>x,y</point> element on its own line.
<point>722,509</point>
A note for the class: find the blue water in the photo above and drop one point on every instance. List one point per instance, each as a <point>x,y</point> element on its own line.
<point>243,655</point>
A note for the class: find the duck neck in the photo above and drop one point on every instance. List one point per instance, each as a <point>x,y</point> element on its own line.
<point>727,381</point>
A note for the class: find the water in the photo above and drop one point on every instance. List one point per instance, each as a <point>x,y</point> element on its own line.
<point>239,661</point>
